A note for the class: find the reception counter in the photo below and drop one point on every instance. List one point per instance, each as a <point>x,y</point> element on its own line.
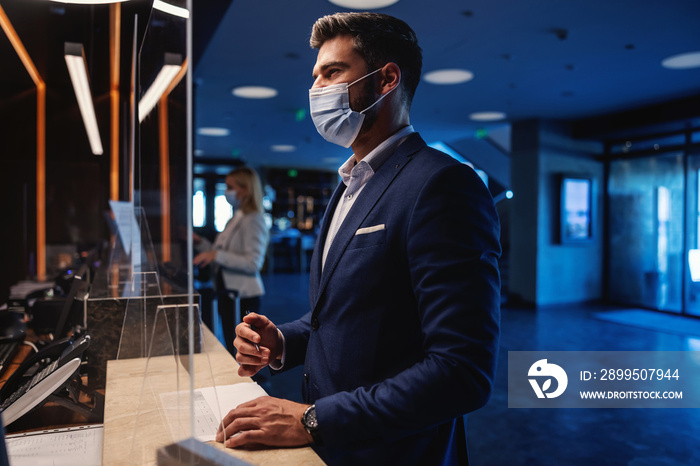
<point>135,425</point>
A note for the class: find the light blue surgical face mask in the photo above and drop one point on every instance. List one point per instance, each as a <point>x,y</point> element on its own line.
<point>331,113</point>
<point>232,199</point>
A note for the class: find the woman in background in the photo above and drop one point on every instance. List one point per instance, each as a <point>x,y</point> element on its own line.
<point>238,253</point>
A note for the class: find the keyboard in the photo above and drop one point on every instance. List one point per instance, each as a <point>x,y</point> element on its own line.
<point>37,389</point>
<point>40,376</point>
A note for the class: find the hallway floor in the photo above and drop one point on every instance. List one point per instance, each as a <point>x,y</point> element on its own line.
<point>499,436</point>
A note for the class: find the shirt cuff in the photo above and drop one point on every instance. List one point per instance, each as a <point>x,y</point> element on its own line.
<point>278,364</point>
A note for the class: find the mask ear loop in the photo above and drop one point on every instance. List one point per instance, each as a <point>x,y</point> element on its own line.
<point>365,76</point>
<point>380,99</point>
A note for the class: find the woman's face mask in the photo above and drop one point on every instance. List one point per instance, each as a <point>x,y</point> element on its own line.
<point>331,113</point>
<point>231,198</point>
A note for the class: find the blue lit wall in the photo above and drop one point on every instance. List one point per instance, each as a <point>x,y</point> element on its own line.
<point>544,271</point>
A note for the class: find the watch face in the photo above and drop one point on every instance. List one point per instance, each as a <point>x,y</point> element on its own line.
<point>313,423</point>
<point>310,418</point>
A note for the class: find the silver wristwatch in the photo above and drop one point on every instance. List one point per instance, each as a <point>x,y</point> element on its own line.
<point>310,423</point>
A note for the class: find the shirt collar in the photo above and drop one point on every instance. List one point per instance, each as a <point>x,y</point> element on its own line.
<point>377,156</point>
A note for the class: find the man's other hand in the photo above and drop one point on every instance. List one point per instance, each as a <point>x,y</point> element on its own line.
<point>265,421</point>
<point>255,330</point>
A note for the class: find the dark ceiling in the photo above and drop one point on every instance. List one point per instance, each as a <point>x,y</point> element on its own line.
<point>564,60</point>
<point>44,26</point>
<point>596,62</point>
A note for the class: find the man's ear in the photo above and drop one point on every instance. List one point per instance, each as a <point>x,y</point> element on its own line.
<point>391,77</point>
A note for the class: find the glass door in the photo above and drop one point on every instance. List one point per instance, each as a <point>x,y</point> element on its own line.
<point>646,207</point>
<point>691,264</point>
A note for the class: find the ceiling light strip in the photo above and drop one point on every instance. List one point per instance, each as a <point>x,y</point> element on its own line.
<point>77,68</point>
<point>166,75</point>
<point>171,9</point>
<point>40,142</point>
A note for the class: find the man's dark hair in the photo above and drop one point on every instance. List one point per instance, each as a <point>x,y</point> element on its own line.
<point>379,39</point>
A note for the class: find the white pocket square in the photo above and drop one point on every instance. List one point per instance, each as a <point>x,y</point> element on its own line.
<point>365,230</point>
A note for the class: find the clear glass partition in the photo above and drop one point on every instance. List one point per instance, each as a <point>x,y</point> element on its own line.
<point>121,221</point>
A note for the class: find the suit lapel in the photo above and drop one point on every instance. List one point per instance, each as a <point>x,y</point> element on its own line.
<point>317,259</point>
<point>368,198</point>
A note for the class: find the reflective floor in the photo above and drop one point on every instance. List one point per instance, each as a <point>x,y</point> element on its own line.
<point>499,436</point>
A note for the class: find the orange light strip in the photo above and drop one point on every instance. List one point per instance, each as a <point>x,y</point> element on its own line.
<point>40,142</point>
<point>19,48</point>
<point>41,181</point>
<point>176,80</point>
<point>165,162</point>
<point>115,19</point>
<point>164,177</point>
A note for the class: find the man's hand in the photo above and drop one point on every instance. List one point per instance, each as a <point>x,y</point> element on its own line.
<point>265,336</point>
<point>264,421</point>
<point>204,258</point>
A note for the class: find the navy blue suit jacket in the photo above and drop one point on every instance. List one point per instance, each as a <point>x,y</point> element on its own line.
<point>402,336</point>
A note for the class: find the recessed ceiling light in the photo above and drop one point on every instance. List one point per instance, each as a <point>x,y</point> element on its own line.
<point>487,116</point>
<point>283,148</point>
<point>254,92</point>
<point>363,4</point>
<point>213,131</point>
<point>449,76</point>
<point>682,61</point>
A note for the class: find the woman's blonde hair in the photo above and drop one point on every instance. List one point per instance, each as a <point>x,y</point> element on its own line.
<point>249,179</point>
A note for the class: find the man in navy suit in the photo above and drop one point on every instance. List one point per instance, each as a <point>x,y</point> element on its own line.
<point>402,335</point>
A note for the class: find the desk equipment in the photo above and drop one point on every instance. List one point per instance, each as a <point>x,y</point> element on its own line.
<point>13,329</point>
<point>70,446</point>
<point>24,293</point>
<point>40,376</point>
<point>7,352</point>
<point>49,370</point>
<point>12,326</point>
<point>57,315</point>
